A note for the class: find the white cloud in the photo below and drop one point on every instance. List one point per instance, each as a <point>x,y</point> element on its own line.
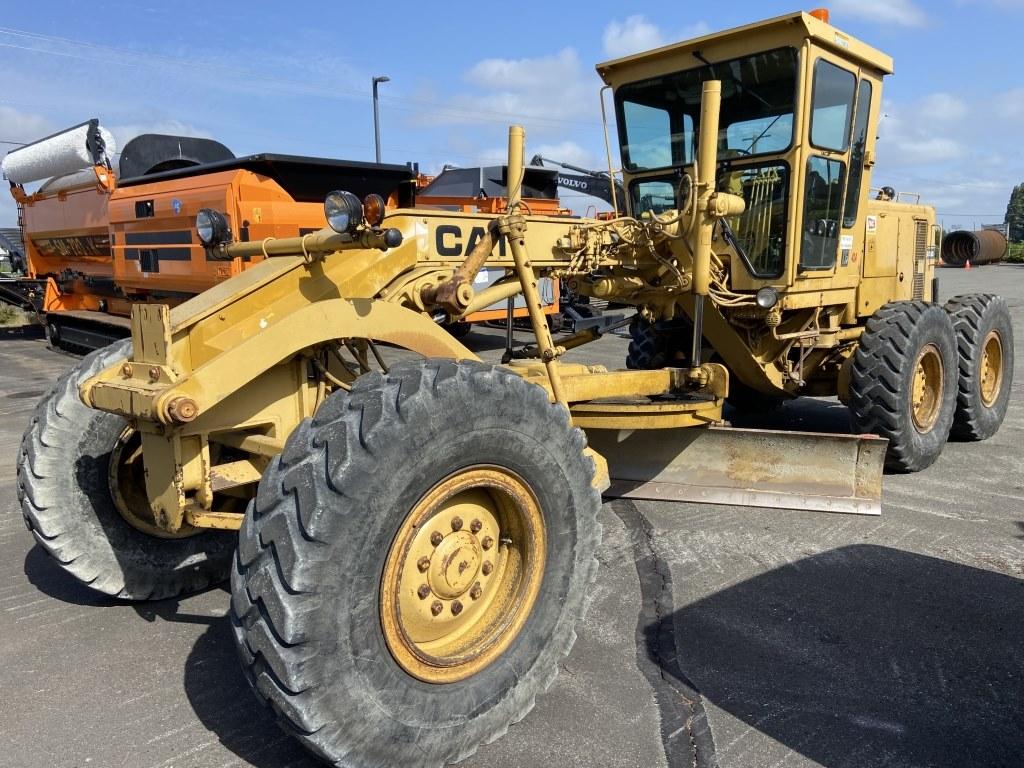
<point>1010,105</point>
<point>636,34</point>
<point>24,127</point>
<point>914,142</point>
<point>951,149</point>
<point>930,151</point>
<point>943,107</point>
<point>621,38</point>
<point>905,13</point>
<point>18,126</point>
<point>523,73</point>
<point>124,133</point>
<point>554,94</point>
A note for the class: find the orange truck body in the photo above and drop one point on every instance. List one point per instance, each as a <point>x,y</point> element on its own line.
<point>103,247</point>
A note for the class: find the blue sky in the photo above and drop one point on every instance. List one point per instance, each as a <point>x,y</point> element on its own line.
<point>295,78</point>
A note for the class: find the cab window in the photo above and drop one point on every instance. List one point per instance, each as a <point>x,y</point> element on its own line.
<point>759,233</point>
<point>658,118</point>
<point>653,196</point>
<point>831,106</point>
<point>822,204</point>
<point>860,138</point>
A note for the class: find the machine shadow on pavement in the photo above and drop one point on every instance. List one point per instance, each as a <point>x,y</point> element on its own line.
<point>212,677</point>
<point>864,656</point>
<point>225,705</point>
<point>44,575</point>
<point>808,414</point>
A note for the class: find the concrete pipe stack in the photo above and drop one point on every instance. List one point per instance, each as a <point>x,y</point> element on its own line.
<point>985,246</point>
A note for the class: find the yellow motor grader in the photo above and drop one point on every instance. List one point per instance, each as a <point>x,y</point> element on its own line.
<point>410,533</point>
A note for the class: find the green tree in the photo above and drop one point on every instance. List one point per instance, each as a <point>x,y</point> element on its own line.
<point>1015,215</point>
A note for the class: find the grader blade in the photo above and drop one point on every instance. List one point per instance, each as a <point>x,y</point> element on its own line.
<point>746,467</point>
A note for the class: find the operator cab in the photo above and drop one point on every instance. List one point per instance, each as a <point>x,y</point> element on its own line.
<point>798,100</point>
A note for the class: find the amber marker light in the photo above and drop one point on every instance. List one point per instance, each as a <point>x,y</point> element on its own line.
<point>373,209</point>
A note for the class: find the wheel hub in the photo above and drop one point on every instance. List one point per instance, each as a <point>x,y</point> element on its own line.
<point>127,483</point>
<point>455,564</point>
<point>990,380</point>
<point>462,574</point>
<point>927,388</point>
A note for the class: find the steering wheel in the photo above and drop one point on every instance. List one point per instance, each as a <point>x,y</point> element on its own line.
<point>684,192</point>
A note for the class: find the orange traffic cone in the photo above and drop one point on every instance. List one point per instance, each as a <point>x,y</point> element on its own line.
<point>968,264</point>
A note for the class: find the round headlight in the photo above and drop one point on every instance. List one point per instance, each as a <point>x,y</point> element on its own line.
<point>767,297</point>
<point>344,212</point>
<point>212,227</point>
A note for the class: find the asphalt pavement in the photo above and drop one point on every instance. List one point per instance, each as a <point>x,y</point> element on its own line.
<point>741,638</point>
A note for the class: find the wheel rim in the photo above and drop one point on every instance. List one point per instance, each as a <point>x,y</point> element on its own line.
<point>990,380</point>
<point>463,574</point>
<point>927,388</point>
<point>126,480</point>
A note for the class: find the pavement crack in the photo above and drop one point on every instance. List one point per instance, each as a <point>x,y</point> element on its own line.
<point>685,732</point>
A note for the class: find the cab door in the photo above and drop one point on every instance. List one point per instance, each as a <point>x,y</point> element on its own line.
<point>833,94</point>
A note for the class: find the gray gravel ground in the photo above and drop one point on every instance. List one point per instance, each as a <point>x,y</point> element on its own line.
<point>812,639</point>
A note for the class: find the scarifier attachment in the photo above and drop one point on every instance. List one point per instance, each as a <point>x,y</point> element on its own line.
<point>745,467</point>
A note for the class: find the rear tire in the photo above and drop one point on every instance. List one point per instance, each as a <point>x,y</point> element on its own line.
<point>310,588</point>
<point>65,496</point>
<point>984,336</point>
<point>652,347</point>
<point>903,382</point>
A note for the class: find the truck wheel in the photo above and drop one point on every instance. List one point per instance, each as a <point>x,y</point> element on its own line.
<point>651,347</point>
<point>984,336</point>
<point>903,382</point>
<point>411,570</point>
<point>78,474</point>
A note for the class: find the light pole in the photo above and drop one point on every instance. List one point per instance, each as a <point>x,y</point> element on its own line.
<point>376,112</point>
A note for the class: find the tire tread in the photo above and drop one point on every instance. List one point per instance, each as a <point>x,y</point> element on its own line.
<point>274,580</point>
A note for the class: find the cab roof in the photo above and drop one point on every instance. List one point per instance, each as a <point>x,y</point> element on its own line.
<point>762,35</point>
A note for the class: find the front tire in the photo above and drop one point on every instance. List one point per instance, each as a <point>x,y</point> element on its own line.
<point>903,382</point>
<point>64,486</point>
<point>347,525</point>
<point>661,345</point>
<point>984,336</point>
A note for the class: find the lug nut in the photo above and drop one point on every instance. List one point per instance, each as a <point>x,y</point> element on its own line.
<point>456,523</point>
<point>487,543</point>
<point>436,608</point>
<point>126,370</point>
<point>456,608</point>
<point>475,526</point>
<point>423,591</point>
<point>423,563</point>
<point>154,374</point>
<point>476,591</point>
<point>436,538</point>
<point>488,567</point>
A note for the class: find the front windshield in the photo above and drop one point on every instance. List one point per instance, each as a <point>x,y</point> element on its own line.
<point>659,117</point>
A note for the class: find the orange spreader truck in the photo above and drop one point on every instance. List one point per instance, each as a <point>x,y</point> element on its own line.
<point>99,240</point>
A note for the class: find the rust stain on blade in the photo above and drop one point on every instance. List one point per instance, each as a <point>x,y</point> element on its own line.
<point>746,467</point>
